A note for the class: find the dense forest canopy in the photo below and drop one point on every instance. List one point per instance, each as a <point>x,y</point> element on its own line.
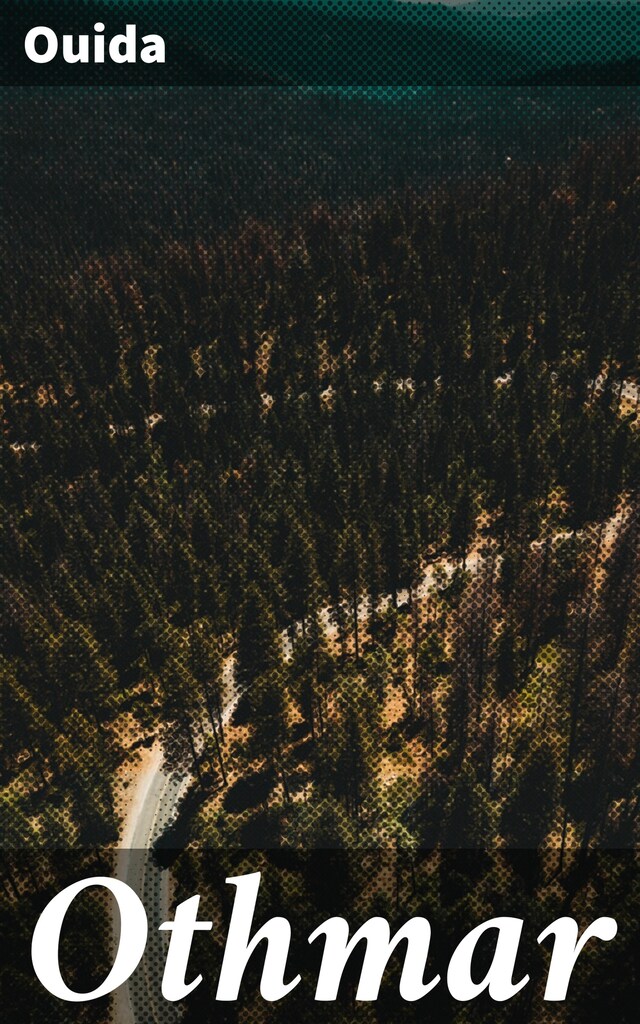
<point>376,460</point>
<point>89,169</point>
<point>320,472</point>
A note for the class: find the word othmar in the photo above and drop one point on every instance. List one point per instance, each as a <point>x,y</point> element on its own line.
<point>498,981</point>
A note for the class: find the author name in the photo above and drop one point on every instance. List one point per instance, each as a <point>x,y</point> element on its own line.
<point>42,45</point>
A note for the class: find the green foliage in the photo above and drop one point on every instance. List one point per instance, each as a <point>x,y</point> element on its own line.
<point>365,466</point>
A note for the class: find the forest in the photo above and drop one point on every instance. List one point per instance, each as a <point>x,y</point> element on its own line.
<point>338,505</point>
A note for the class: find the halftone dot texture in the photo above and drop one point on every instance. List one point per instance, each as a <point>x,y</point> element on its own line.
<point>344,42</point>
<point>321,485</point>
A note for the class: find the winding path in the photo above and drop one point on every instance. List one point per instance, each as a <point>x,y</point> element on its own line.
<point>153,808</point>
<point>155,802</point>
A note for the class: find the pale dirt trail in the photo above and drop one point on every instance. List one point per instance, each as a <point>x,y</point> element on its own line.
<point>153,806</point>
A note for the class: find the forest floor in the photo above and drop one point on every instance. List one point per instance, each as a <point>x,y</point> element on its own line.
<point>149,793</point>
<point>146,803</point>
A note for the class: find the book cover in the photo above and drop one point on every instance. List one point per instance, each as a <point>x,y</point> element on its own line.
<point>320,573</point>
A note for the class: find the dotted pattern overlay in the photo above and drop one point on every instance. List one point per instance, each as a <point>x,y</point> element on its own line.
<point>346,42</point>
<point>320,474</point>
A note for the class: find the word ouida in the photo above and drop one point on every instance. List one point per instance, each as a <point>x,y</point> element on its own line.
<point>41,46</point>
<point>240,945</point>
